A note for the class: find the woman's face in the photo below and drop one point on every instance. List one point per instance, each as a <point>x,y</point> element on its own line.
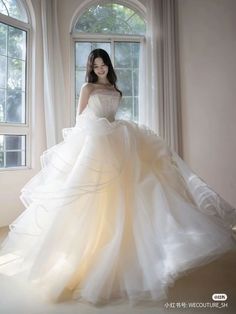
<point>100,68</point>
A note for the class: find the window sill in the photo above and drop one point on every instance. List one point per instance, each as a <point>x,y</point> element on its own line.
<point>2,170</point>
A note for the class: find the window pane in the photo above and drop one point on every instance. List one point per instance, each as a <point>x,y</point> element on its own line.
<point>110,18</point>
<point>136,81</point>
<point>12,75</point>
<point>13,142</point>
<point>128,109</point>
<point>127,54</point>
<point>125,81</point>
<point>16,74</point>
<point>1,159</point>
<point>13,8</point>
<point>2,105</point>
<point>17,43</point>
<point>135,22</point>
<point>3,9</point>
<point>3,71</point>
<point>3,38</point>
<point>15,112</point>
<point>82,51</point>
<point>123,55</point>
<point>14,159</point>
<point>105,46</point>
<point>135,53</point>
<point>2,153</point>
<point>12,150</point>
<point>135,109</point>
<point>80,79</point>
<point>127,68</point>
<point>125,109</point>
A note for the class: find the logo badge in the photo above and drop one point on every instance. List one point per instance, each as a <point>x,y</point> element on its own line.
<point>219,297</point>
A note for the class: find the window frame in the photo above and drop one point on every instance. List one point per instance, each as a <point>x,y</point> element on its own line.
<point>22,128</point>
<point>94,37</point>
<point>135,8</point>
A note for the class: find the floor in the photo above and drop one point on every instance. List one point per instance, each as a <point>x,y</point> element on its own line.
<point>198,288</point>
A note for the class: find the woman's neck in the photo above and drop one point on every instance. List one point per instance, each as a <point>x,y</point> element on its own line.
<point>103,82</point>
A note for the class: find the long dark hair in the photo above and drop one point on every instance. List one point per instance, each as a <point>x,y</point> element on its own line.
<point>91,77</point>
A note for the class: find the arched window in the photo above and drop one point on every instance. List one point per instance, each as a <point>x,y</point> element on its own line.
<point>111,18</point>
<point>119,30</point>
<point>14,117</point>
<point>15,9</point>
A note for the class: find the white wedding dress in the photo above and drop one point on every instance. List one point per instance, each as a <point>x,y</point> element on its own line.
<point>114,212</point>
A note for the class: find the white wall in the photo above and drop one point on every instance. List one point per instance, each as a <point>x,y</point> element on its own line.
<point>207,30</point>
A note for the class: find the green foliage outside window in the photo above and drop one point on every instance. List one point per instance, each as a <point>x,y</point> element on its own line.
<point>110,18</point>
<point>13,8</point>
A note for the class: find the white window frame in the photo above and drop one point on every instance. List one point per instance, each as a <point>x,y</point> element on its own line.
<point>22,128</point>
<point>87,37</point>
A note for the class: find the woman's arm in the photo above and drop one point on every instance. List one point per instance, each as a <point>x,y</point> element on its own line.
<point>84,96</point>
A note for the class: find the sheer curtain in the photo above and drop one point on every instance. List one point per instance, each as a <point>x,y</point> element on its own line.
<point>54,88</point>
<point>159,105</point>
<point>149,69</point>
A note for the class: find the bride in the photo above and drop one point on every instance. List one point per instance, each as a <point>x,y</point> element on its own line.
<point>114,211</point>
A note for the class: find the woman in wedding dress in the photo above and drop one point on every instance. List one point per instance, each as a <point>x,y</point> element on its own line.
<point>114,211</point>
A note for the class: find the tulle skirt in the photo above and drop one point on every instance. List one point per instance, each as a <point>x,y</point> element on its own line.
<point>114,213</point>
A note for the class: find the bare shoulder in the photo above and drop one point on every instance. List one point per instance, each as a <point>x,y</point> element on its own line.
<point>87,88</point>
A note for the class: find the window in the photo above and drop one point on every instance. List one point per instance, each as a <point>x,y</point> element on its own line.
<point>120,31</point>
<point>12,150</point>
<point>14,124</point>
<point>111,18</point>
<point>14,8</point>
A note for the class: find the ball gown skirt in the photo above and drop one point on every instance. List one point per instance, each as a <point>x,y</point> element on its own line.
<point>113,213</point>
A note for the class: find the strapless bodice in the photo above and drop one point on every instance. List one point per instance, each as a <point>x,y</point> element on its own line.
<point>103,103</point>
